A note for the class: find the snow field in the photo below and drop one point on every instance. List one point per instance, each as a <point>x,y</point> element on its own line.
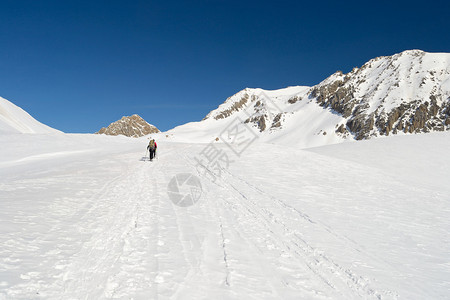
<point>84,216</point>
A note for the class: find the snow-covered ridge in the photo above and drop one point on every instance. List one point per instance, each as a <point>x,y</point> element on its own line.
<point>408,92</point>
<point>240,99</point>
<point>14,119</point>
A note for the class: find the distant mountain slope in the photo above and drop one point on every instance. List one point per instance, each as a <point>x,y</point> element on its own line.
<point>14,119</point>
<point>405,93</point>
<point>133,126</point>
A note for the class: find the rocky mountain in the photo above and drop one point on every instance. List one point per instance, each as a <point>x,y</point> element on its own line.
<point>14,119</point>
<point>133,126</point>
<point>405,93</point>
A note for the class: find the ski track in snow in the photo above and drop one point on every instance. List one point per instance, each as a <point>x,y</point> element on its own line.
<point>282,244</point>
<point>120,237</point>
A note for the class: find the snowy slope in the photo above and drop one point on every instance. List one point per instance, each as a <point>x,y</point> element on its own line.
<point>13,119</point>
<point>267,115</point>
<point>408,92</point>
<point>83,217</point>
<point>401,94</point>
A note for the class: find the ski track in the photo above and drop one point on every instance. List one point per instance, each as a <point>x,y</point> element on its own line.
<point>317,261</point>
<point>113,232</point>
<point>128,241</point>
<point>123,251</point>
<point>250,213</point>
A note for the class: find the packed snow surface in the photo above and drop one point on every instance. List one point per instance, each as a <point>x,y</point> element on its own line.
<point>87,217</point>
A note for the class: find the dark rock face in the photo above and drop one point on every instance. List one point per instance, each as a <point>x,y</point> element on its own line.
<point>336,95</point>
<point>257,114</point>
<point>360,125</point>
<point>133,126</point>
<point>259,121</point>
<point>294,99</point>
<point>234,108</point>
<point>341,129</point>
<point>276,123</point>
<point>350,96</point>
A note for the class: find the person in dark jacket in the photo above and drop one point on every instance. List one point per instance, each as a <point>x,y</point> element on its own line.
<point>152,146</point>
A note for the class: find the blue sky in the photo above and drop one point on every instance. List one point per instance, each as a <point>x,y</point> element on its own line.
<point>80,65</point>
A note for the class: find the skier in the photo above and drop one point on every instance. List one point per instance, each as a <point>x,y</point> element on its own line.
<point>152,146</point>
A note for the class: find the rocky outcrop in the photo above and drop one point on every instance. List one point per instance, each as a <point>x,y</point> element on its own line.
<point>388,95</point>
<point>336,95</point>
<point>259,121</point>
<point>406,93</point>
<point>236,106</point>
<point>277,121</point>
<point>133,126</point>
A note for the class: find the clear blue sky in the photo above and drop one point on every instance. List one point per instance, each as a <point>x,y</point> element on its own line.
<point>80,65</point>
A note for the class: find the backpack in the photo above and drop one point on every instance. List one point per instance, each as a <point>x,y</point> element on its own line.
<point>152,145</point>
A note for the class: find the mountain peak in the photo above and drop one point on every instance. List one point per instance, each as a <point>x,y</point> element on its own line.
<point>131,126</point>
<point>414,52</point>
<point>408,92</point>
